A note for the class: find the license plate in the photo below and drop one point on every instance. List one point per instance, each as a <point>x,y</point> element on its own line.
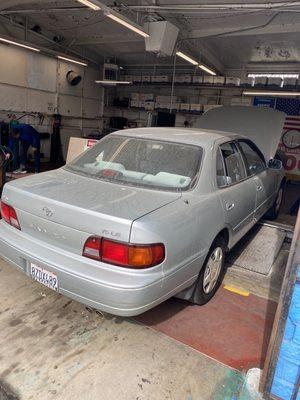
<point>43,276</point>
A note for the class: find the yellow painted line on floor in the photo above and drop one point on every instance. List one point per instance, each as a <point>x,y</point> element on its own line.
<point>237,291</point>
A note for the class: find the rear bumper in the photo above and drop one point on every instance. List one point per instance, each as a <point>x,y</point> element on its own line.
<point>101,286</point>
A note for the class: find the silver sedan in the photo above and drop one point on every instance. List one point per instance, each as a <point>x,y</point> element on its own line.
<point>144,215</point>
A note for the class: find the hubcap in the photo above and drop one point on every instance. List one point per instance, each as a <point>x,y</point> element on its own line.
<point>212,270</point>
<point>279,199</point>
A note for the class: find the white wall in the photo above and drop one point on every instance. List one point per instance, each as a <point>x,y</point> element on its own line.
<point>34,83</point>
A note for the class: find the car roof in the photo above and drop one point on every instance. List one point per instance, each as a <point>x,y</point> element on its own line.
<point>200,137</point>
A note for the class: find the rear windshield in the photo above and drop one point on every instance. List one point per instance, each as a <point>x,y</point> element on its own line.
<point>141,162</point>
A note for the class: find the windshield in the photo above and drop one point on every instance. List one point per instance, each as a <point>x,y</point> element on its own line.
<point>141,162</point>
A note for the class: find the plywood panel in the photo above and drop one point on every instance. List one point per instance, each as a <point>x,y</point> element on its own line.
<point>41,72</point>
<point>40,101</point>
<point>70,105</point>
<point>13,65</point>
<point>63,86</point>
<point>12,98</point>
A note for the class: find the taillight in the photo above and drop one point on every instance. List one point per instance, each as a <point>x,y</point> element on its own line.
<point>9,215</point>
<point>92,248</point>
<point>124,254</point>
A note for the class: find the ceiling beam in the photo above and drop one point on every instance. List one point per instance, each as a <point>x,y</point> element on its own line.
<point>263,25</point>
<point>43,10</point>
<point>106,40</point>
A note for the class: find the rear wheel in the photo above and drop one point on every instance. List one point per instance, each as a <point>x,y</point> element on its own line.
<point>211,274</point>
<point>274,210</point>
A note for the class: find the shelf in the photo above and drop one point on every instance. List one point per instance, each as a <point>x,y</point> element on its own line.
<point>216,87</point>
<point>156,109</point>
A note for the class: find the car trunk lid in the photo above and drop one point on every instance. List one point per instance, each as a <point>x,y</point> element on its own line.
<point>262,125</point>
<point>64,208</point>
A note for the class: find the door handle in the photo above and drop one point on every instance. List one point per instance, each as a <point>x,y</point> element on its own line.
<point>229,206</point>
<point>258,188</point>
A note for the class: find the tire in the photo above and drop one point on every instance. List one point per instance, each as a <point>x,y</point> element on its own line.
<point>275,209</point>
<point>202,292</point>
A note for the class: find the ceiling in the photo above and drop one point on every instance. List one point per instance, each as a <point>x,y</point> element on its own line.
<point>224,34</point>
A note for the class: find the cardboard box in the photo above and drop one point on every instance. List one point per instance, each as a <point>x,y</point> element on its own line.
<point>134,103</point>
<point>146,78</point>
<point>241,101</point>
<point>135,96</point>
<point>275,82</point>
<point>196,107</point>
<point>233,81</point>
<point>185,107</point>
<point>219,80</point>
<point>149,105</point>
<point>146,96</point>
<point>163,105</point>
<point>260,81</point>
<point>289,82</point>
<point>160,78</point>
<point>208,80</point>
<point>246,82</point>
<point>183,79</point>
<point>136,78</point>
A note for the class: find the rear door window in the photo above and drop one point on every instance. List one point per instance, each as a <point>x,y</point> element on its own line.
<point>254,160</point>
<point>233,163</point>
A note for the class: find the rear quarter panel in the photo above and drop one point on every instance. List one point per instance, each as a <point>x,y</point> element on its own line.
<point>187,228</point>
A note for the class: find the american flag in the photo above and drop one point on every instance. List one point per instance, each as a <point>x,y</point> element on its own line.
<point>292,108</point>
<point>292,122</point>
<point>289,106</point>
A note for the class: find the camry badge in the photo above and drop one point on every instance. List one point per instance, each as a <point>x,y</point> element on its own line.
<point>49,213</point>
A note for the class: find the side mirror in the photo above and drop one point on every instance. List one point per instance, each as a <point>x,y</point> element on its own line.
<point>275,164</point>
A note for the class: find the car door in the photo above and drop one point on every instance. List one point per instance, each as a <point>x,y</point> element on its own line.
<point>264,180</point>
<point>236,190</point>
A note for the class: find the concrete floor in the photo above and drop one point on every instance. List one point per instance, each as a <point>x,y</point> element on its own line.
<point>52,347</point>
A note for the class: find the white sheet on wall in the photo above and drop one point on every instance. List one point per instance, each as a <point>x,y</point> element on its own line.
<point>41,72</point>
<point>13,66</point>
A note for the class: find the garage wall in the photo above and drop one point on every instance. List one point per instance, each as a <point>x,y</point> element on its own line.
<point>184,94</point>
<point>34,83</point>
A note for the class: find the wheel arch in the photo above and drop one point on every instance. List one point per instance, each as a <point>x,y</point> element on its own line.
<point>224,234</point>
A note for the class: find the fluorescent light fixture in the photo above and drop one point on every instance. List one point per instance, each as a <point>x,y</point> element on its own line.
<point>128,25</point>
<point>266,93</point>
<point>111,82</point>
<point>73,61</point>
<point>186,58</point>
<point>90,4</point>
<point>206,69</point>
<point>277,75</point>
<point>19,44</point>
<point>192,61</point>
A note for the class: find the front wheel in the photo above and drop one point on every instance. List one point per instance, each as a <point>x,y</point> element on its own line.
<point>211,274</point>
